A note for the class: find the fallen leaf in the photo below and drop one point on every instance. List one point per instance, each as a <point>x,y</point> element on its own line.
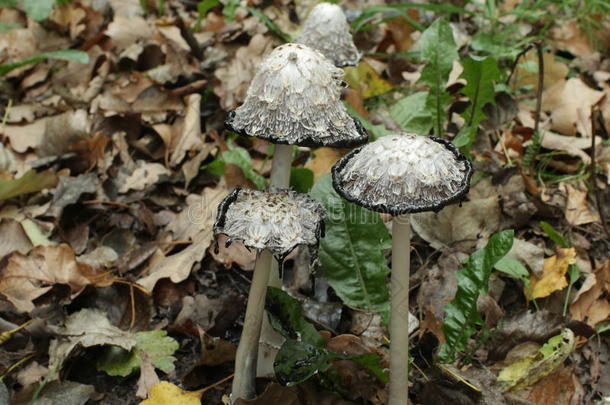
<point>526,73</point>
<point>13,238</point>
<point>69,190</point>
<point>553,274</point>
<point>145,174</point>
<point>578,211</point>
<point>190,138</point>
<point>364,79</point>
<point>31,182</point>
<point>166,393</point>
<point>464,225</point>
<point>556,388</point>
<point>65,393</point>
<point>323,160</point>
<point>566,100</point>
<point>87,327</point>
<point>591,303</point>
<point>201,215</point>
<point>575,146</point>
<point>25,278</point>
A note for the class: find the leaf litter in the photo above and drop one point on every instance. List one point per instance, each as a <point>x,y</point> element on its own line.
<point>114,157</point>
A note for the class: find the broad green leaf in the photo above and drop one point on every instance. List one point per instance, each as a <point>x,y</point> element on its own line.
<point>155,345</point>
<point>202,9</point>
<point>8,3</point>
<point>411,113</point>
<point>461,316</point>
<point>70,55</point>
<point>30,182</point>
<point>241,158</point>
<point>285,316</point>
<point>352,251</point>
<point>554,235</point>
<point>437,48</point>
<point>514,269</point>
<point>38,10</point>
<point>299,361</point>
<point>480,75</point>
<point>301,179</point>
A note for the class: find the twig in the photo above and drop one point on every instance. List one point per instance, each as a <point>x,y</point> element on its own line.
<point>133,307</point>
<point>540,85</point>
<point>595,116</point>
<point>216,384</point>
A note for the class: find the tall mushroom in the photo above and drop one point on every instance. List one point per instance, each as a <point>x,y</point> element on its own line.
<point>326,30</point>
<point>402,174</point>
<point>273,223</point>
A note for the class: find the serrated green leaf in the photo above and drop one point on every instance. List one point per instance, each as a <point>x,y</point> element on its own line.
<point>241,158</point>
<point>70,55</point>
<point>480,75</point>
<point>38,10</point>
<point>352,251</point>
<point>30,182</point>
<point>437,48</point>
<point>301,179</point>
<point>411,113</point>
<point>461,316</point>
<point>285,316</point>
<point>155,345</point>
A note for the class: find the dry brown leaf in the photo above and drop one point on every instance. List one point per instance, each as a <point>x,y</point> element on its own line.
<point>591,304</point>
<point>553,275</point>
<point>13,238</point>
<point>575,146</point>
<point>556,388</point>
<point>554,70</point>
<point>190,138</point>
<point>565,100</point>
<point>463,225</point>
<point>323,160</point>
<point>148,377</point>
<point>568,35</point>
<point>578,211</point>
<point>200,218</point>
<point>145,175</point>
<point>235,77</point>
<point>236,253</point>
<point>25,278</point>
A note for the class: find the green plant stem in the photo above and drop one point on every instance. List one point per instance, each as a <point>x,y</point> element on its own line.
<point>247,351</point>
<point>399,311</point>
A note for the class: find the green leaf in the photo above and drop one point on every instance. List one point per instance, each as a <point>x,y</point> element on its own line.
<point>554,235</point>
<point>296,362</point>
<point>155,345</point>
<point>38,10</point>
<point>411,113</point>
<point>241,158</point>
<point>8,3</point>
<point>461,316</point>
<point>515,269</point>
<point>70,55</point>
<point>301,179</point>
<point>439,50</point>
<point>352,252</point>
<point>480,75</point>
<point>286,318</point>
<point>271,26</point>
<point>202,9</point>
<point>30,182</point>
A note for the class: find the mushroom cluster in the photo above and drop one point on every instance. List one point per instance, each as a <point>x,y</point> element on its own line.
<point>293,99</point>
<point>402,174</point>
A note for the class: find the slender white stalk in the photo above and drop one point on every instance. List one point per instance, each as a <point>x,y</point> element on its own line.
<point>247,351</point>
<point>399,311</point>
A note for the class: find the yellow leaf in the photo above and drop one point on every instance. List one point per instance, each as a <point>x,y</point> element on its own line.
<point>165,393</point>
<point>553,274</point>
<point>364,79</point>
<point>323,161</point>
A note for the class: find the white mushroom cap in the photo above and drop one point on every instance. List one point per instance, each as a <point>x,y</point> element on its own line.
<point>277,220</point>
<point>294,99</point>
<point>326,30</point>
<point>403,173</point>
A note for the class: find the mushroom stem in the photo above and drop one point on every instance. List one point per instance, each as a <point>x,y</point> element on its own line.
<point>247,351</point>
<point>399,311</point>
<point>280,178</point>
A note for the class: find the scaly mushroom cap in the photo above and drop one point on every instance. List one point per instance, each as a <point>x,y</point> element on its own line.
<point>278,220</point>
<point>326,30</point>
<point>294,99</point>
<point>403,173</point>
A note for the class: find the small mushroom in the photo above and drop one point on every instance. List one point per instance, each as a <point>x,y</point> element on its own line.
<point>273,223</point>
<point>295,99</point>
<point>401,174</point>
<point>326,30</point>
